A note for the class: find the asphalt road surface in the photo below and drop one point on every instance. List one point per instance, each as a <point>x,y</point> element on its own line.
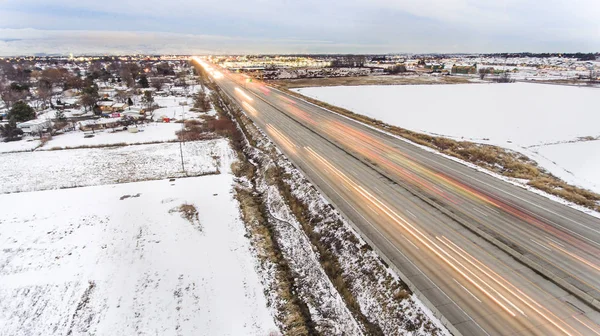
<point>421,211</point>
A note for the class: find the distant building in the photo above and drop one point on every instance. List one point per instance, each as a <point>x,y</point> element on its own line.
<point>464,69</point>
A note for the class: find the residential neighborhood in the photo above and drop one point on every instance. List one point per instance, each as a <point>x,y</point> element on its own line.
<point>61,96</point>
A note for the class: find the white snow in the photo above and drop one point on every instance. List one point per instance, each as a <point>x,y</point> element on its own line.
<point>42,170</point>
<point>18,146</point>
<point>170,108</point>
<point>153,132</point>
<point>514,116</point>
<point>90,261</point>
<point>568,160</point>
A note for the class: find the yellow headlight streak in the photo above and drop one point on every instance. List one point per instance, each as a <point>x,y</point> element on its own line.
<point>469,275</point>
<point>243,94</point>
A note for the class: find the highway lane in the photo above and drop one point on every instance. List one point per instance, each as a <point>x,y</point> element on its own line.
<point>477,287</point>
<point>477,202</point>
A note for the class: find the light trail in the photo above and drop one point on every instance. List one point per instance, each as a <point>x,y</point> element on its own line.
<point>587,326</point>
<point>278,135</point>
<point>575,256</point>
<point>455,248</point>
<point>249,108</point>
<point>423,239</point>
<point>243,94</point>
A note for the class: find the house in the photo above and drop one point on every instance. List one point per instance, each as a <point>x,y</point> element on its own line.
<point>70,93</point>
<point>106,93</point>
<point>90,125</point>
<point>118,107</point>
<point>132,114</point>
<point>105,106</point>
<point>464,69</point>
<point>34,126</point>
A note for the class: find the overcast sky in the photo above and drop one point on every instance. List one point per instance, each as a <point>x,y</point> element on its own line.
<point>297,26</point>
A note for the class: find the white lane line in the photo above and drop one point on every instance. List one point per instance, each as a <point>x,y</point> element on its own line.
<point>413,244</point>
<point>491,209</point>
<point>394,246</point>
<point>375,211</point>
<point>412,214</point>
<point>481,212</point>
<point>556,242</point>
<point>468,291</point>
<point>547,248</point>
<point>434,162</point>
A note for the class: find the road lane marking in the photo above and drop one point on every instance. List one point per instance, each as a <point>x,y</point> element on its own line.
<point>574,256</point>
<point>420,236</point>
<point>375,211</point>
<point>388,142</point>
<point>530,305</point>
<point>587,326</point>
<point>555,241</point>
<point>547,248</point>
<point>413,244</point>
<point>481,212</point>
<point>492,209</point>
<point>468,291</point>
<point>412,214</point>
<point>395,247</point>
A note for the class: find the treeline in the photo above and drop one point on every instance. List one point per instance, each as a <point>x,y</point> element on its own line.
<point>579,56</point>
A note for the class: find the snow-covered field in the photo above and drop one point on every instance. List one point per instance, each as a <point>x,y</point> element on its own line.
<point>18,146</point>
<point>579,159</point>
<point>516,116</point>
<point>42,170</point>
<point>170,107</point>
<point>117,260</point>
<point>152,132</point>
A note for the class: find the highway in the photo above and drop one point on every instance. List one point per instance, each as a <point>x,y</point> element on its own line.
<point>420,211</point>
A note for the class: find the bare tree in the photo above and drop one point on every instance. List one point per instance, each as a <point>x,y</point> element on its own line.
<point>147,99</point>
<point>158,83</point>
<point>44,93</point>
<point>9,95</point>
<point>122,96</point>
<point>201,101</point>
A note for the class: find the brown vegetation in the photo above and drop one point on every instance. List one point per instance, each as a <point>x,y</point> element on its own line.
<point>367,80</point>
<point>327,256</point>
<point>292,312</point>
<point>326,242</point>
<point>496,159</point>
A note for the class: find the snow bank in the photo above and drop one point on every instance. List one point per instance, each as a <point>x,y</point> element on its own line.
<point>95,261</point>
<point>147,133</point>
<point>42,170</point>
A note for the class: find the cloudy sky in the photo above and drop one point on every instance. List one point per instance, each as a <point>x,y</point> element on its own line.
<point>297,26</point>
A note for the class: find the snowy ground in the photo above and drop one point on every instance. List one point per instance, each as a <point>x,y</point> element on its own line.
<point>95,261</point>
<point>42,170</point>
<point>517,116</point>
<point>569,159</point>
<point>170,108</point>
<point>152,132</point>
<point>18,146</point>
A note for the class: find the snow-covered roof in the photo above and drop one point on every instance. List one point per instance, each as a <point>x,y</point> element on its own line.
<point>107,121</point>
<point>34,122</point>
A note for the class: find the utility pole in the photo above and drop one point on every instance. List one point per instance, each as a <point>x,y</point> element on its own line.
<point>182,139</point>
